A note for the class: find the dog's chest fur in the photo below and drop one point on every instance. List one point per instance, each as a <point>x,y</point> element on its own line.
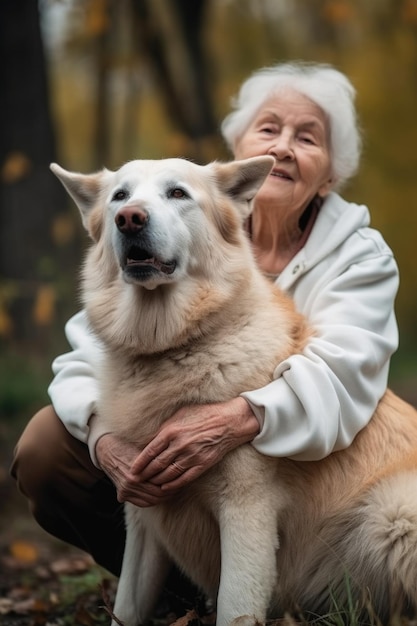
<point>238,353</point>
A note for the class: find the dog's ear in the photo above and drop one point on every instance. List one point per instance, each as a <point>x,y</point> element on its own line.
<point>242,180</point>
<point>84,189</point>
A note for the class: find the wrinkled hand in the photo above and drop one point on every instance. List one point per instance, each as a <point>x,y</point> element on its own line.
<point>116,458</point>
<point>192,441</point>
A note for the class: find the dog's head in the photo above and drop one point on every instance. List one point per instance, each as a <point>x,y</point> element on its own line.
<point>160,220</point>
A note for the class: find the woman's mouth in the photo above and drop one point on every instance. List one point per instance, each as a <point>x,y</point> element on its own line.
<point>281,174</point>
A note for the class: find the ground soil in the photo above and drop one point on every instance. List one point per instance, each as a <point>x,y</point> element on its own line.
<point>45,582</point>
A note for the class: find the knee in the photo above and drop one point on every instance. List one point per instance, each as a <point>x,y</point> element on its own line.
<point>37,453</point>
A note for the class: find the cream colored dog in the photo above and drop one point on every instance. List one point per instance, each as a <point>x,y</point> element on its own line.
<point>173,291</point>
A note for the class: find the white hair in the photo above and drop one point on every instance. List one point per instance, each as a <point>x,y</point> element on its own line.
<point>331,90</point>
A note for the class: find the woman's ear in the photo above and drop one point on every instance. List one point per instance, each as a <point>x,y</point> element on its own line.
<point>326,188</point>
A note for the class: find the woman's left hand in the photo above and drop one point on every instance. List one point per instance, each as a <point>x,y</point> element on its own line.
<point>193,440</point>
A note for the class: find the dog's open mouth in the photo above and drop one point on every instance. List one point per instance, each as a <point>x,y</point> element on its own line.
<point>141,259</point>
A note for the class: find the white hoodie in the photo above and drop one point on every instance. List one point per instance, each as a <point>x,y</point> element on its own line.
<point>344,280</point>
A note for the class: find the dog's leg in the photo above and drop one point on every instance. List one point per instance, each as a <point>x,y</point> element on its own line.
<point>144,570</point>
<point>249,542</point>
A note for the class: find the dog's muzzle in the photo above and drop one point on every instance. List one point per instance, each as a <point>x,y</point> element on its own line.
<point>137,257</point>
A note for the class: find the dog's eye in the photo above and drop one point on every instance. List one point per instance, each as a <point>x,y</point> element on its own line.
<point>177,193</point>
<point>120,195</point>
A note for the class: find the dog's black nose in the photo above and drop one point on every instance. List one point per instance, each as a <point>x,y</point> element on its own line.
<point>131,219</point>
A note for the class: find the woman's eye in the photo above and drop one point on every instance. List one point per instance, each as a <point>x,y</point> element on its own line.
<point>177,193</point>
<point>307,139</point>
<point>120,195</point>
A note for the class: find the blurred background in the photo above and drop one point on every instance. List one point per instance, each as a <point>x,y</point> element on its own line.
<point>93,83</point>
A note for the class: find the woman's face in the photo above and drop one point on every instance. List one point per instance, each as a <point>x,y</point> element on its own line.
<point>295,131</point>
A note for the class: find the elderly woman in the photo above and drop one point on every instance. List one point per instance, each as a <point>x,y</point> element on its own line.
<point>318,248</point>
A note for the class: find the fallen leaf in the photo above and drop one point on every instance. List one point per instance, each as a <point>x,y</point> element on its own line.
<point>53,598</point>
<point>6,605</point>
<point>84,617</point>
<point>72,565</point>
<point>24,552</point>
<point>42,572</point>
<point>190,616</point>
<point>18,593</point>
<point>22,607</point>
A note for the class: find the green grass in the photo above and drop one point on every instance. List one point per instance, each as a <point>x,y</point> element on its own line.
<point>23,385</point>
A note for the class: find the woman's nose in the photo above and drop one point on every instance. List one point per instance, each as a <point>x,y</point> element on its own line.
<point>281,147</point>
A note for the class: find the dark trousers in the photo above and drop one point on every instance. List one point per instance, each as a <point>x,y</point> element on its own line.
<point>68,496</point>
<point>73,500</point>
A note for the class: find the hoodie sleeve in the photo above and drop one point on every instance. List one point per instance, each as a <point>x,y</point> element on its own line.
<point>74,391</point>
<point>319,400</point>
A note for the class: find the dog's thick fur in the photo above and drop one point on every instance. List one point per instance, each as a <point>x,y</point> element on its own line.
<point>172,289</point>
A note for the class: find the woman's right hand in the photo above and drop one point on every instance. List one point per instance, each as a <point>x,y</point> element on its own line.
<point>116,458</point>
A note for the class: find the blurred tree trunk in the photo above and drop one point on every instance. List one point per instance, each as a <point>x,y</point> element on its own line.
<point>170,35</point>
<point>100,15</point>
<point>30,197</point>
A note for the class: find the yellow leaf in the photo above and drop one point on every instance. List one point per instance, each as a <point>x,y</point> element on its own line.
<point>16,166</point>
<point>409,11</point>
<point>24,551</point>
<point>97,17</point>
<point>6,324</point>
<point>44,307</point>
<point>63,230</point>
<point>338,11</point>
